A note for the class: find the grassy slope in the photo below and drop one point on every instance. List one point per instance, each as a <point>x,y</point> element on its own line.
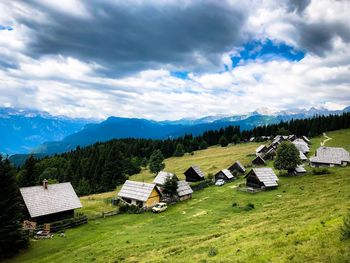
<point>299,222</point>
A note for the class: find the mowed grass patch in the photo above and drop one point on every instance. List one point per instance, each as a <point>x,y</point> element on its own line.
<point>298,222</point>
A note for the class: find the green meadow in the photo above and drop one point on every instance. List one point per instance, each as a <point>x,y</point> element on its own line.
<point>298,222</point>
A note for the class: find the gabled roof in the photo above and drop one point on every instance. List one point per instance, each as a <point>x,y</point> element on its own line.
<point>252,139</point>
<point>258,158</point>
<point>183,188</point>
<point>239,165</point>
<point>56,198</point>
<point>302,156</point>
<point>227,173</point>
<point>301,145</point>
<point>136,190</point>
<point>260,148</point>
<point>300,169</point>
<point>197,170</point>
<point>306,139</point>
<point>266,175</point>
<point>331,155</point>
<point>161,177</point>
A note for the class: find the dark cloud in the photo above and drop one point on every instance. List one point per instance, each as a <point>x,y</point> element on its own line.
<point>297,5</point>
<point>318,37</point>
<point>127,38</point>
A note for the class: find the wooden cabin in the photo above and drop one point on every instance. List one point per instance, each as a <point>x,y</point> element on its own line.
<point>302,156</point>
<point>50,202</point>
<point>184,190</point>
<point>161,177</point>
<point>261,150</point>
<point>238,167</point>
<point>329,157</point>
<point>301,145</point>
<point>225,174</point>
<point>306,139</point>
<point>258,161</point>
<point>194,174</point>
<point>143,195</point>
<point>299,170</point>
<point>262,178</point>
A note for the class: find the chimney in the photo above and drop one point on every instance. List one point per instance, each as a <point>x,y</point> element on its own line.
<point>45,183</point>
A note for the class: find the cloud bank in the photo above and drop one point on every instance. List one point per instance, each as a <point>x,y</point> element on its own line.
<point>173,59</point>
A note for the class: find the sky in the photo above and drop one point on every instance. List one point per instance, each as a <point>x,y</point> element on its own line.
<point>173,59</point>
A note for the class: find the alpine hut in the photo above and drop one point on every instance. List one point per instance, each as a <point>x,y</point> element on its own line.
<point>50,202</point>
<point>301,145</point>
<point>225,174</point>
<point>263,178</point>
<point>184,191</point>
<point>258,161</point>
<point>141,194</point>
<point>194,174</point>
<point>260,150</point>
<point>161,177</point>
<point>330,156</point>
<point>299,169</point>
<point>302,156</point>
<point>238,167</point>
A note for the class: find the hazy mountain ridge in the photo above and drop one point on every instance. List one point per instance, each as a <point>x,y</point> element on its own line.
<point>25,131</point>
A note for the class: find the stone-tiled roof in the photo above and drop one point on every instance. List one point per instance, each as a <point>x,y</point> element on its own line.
<point>56,198</point>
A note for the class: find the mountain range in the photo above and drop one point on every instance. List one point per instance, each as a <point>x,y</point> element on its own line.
<point>26,131</point>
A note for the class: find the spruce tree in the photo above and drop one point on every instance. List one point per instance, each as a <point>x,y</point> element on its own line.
<point>180,150</point>
<point>12,237</point>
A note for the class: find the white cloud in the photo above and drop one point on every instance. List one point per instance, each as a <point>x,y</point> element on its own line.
<point>68,85</point>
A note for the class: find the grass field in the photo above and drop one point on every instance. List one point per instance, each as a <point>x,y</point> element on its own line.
<point>298,222</point>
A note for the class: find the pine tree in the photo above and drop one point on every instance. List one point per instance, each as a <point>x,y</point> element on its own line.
<point>12,238</point>
<point>180,150</point>
<point>223,141</point>
<point>170,186</point>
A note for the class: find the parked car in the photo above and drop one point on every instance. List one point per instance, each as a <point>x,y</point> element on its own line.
<point>160,207</point>
<point>220,182</point>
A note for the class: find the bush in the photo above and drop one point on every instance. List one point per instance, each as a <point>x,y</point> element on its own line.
<point>213,251</point>
<point>345,229</point>
<point>130,209</point>
<point>234,204</point>
<point>250,206</point>
<point>320,171</point>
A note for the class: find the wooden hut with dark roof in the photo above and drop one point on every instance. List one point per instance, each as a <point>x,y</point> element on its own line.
<point>225,174</point>
<point>194,174</point>
<point>263,178</point>
<point>238,167</point>
<point>50,202</point>
<point>258,161</point>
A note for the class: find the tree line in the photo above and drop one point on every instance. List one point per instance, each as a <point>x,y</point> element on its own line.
<point>103,166</point>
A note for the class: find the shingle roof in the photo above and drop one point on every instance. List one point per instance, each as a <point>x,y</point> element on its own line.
<point>302,156</point>
<point>266,176</point>
<point>183,188</point>
<point>306,139</point>
<point>300,169</point>
<point>136,190</point>
<point>161,177</point>
<point>260,148</point>
<point>301,145</point>
<point>197,170</point>
<point>227,173</point>
<point>240,166</point>
<point>56,198</point>
<point>330,155</point>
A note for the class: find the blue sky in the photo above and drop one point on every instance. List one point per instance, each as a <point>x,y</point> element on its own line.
<point>173,59</point>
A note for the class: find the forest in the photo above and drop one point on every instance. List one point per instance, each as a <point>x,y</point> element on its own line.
<point>102,166</point>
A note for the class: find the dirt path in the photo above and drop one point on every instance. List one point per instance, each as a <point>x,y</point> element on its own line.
<point>326,140</point>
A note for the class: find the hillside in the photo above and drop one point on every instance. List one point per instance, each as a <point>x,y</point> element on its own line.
<point>298,222</point>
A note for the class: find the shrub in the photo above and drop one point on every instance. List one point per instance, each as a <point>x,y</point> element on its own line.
<point>234,204</point>
<point>210,176</point>
<point>320,171</point>
<point>345,229</point>
<point>250,206</point>
<point>213,251</point>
